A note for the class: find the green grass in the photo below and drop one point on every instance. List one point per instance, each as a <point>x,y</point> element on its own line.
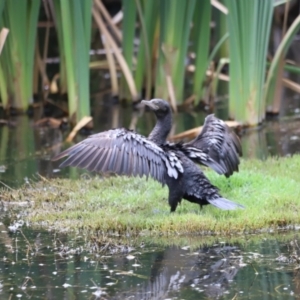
<point>270,190</point>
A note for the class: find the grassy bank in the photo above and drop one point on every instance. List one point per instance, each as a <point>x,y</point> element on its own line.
<point>270,190</point>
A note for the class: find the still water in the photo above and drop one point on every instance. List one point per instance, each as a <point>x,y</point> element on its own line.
<point>26,149</point>
<point>37,264</point>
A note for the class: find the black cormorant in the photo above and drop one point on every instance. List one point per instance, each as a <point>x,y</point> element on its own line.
<point>122,151</point>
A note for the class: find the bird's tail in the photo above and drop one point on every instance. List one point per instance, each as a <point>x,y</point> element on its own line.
<point>224,204</point>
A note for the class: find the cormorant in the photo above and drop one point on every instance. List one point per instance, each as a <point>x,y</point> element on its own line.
<point>126,152</point>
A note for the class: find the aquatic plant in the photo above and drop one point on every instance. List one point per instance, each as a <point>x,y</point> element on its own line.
<point>160,48</point>
<point>201,40</point>
<point>17,58</point>
<point>249,24</point>
<point>275,64</point>
<point>73,23</point>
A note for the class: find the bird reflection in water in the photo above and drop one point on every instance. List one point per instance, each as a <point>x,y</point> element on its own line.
<point>209,270</point>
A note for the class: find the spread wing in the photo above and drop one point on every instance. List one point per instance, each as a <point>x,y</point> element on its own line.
<point>122,152</point>
<point>219,145</point>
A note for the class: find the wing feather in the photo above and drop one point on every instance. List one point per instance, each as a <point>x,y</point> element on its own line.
<point>120,156</point>
<point>122,152</point>
<point>220,146</point>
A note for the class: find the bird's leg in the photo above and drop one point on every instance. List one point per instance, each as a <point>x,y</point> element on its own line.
<point>228,182</point>
<point>200,210</point>
<point>174,199</point>
<point>173,207</point>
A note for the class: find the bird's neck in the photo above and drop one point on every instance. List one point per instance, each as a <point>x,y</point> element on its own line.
<point>161,129</point>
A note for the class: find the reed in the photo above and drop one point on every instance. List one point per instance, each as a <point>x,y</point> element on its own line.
<point>3,34</point>
<point>144,70</point>
<point>174,25</point>
<point>165,41</point>
<point>128,40</point>
<point>3,90</point>
<point>249,27</point>
<point>201,27</point>
<point>74,32</point>
<point>2,3</point>
<point>100,15</point>
<point>275,64</point>
<point>151,48</point>
<point>17,58</point>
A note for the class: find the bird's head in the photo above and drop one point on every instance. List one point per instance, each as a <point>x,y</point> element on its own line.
<point>160,107</point>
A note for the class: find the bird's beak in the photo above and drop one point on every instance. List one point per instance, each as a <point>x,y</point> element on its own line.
<point>149,104</point>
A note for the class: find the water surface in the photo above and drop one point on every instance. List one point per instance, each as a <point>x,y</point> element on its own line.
<point>36,264</point>
<point>26,150</point>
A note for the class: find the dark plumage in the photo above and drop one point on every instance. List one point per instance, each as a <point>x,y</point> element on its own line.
<point>126,152</point>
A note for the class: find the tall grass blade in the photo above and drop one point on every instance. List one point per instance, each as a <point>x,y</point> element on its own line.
<point>109,55</point>
<point>182,42</point>
<point>82,38</point>
<point>68,46</point>
<point>111,66</point>
<point>74,17</point>
<point>119,57</point>
<point>276,102</point>
<point>175,22</point>
<point>221,30</point>
<point>281,51</point>
<point>202,18</point>
<point>280,2</point>
<point>249,28</point>
<point>291,85</point>
<point>160,76</point>
<point>18,57</point>
<point>3,87</point>
<point>148,22</point>
<point>218,46</point>
<point>40,66</point>
<point>2,3</point>
<point>3,34</point>
<point>57,17</point>
<point>4,140</point>
<point>83,122</point>
<point>111,24</point>
<point>30,49</point>
<point>216,77</point>
<point>219,6</point>
<point>128,32</point>
<point>292,68</point>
